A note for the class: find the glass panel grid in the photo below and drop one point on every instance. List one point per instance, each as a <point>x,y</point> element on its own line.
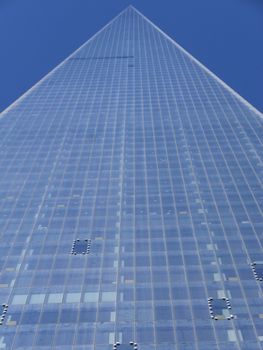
<point>133,146</point>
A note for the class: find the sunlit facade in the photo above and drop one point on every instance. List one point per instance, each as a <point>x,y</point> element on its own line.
<point>131,203</point>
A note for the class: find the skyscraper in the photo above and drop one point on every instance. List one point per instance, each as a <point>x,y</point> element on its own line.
<point>131,203</point>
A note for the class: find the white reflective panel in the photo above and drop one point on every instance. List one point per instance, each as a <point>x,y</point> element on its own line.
<point>55,298</point>
<point>231,335</point>
<point>73,297</point>
<point>37,299</point>
<point>19,299</point>
<point>108,296</point>
<point>91,297</point>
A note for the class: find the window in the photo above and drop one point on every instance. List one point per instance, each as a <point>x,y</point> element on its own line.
<point>55,298</point>
<point>257,268</point>
<point>81,246</point>
<point>19,299</point>
<point>73,297</point>
<point>108,296</point>
<point>4,311</point>
<point>92,297</point>
<point>130,346</point>
<point>220,309</point>
<point>37,298</point>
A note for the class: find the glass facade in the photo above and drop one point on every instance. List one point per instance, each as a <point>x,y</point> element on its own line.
<point>131,203</point>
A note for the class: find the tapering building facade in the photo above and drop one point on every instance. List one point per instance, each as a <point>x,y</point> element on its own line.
<point>131,203</point>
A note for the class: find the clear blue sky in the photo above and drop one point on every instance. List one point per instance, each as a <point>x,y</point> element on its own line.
<point>225,35</point>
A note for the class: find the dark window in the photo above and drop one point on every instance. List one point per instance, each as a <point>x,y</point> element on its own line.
<point>163,313</point>
<point>87,315</point>
<point>30,317</point>
<point>130,346</point>
<point>50,316</point>
<point>257,268</point>
<point>81,246</point>
<point>220,309</point>
<point>68,315</point>
<point>4,311</point>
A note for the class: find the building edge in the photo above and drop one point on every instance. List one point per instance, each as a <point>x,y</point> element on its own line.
<point>200,64</point>
<point>53,70</point>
